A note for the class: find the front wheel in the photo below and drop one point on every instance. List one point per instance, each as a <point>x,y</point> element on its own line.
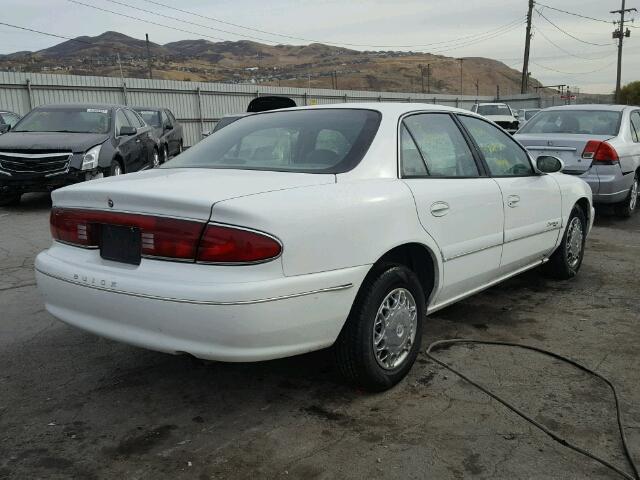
<point>381,339</point>
<point>628,206</point>
<point>116,169</point>
<point>565,262</point>
<point>155,159</point>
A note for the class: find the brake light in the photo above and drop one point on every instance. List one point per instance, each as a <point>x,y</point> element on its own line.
<point>167,238</point>
<point>600,152</point>
<point>161,236</point>
<point>222,244</point>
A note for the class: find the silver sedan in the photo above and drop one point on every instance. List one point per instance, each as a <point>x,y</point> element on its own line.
<point>599,143</point>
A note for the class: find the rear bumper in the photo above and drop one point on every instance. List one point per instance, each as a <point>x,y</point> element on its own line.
<point>608,184</point>
<point>237,322</point>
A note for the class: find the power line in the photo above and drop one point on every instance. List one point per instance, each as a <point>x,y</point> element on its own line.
<point>45,33</point>
<point>574,73</point>
<point>573,13</point>
<point>568,34</point>
<point>567,52</point>
<point>213,19</point>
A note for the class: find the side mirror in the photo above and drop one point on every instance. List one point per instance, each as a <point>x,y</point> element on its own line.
<point>127,130</point>
<point>549,164</point>
<point>5,127</point>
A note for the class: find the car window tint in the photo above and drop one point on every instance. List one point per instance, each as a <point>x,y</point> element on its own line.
<point>502,154</point>
<point>577,122</point>
<point>133,119</point>
<point>333,141</point>
<point>121,121</point>
<point>410,158</point>
<point>443,148</point>
<point>635,126</point>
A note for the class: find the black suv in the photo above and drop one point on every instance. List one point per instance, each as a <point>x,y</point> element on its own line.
<point>166,129</point>
<point>58,145</point>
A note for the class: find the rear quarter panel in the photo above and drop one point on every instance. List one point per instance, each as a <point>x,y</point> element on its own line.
<point>333,226</point>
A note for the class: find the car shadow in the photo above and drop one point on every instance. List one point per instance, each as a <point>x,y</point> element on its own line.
<point>30,202</point>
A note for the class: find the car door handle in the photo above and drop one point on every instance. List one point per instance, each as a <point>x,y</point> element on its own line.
<point>513,200</point>
<point>439,209</point>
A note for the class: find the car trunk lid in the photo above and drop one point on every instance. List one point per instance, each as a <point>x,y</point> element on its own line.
<point>566,147</point>
<point>179,192</point>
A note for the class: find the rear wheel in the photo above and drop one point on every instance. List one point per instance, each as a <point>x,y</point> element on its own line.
<point>155,159</point>
<point>628,206</point>
<point>9,199</point>
<point>381,339</point>
<point>116,169</point>
<point>567,259</point>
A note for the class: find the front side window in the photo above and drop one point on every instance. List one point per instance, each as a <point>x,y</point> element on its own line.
<point>68,120</point>
<point>503,155</point>
<point>313,141</point>
<point>441,145</point>
<point>576,122</point>
<point>635,126</point>
<point>121,121</point>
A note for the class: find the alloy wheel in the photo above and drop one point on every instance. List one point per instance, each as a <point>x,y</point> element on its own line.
<point>394,328</point>
<point>156,159</point>
<point>117,169</point>
<point>575,239</point>
<point>633,201</point>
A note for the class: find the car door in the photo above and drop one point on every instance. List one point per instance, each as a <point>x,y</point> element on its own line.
<point>145,140</point>
<point>127,145</point>
<point>532,202</point>
<point>457,203</point>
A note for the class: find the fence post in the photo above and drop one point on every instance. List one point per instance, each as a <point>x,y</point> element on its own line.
<point>29,94</point>
<point>305,98</point>
<point>345,98</point>
<point>457,102</point>
<point>124,93</point>
<point>199,93</point>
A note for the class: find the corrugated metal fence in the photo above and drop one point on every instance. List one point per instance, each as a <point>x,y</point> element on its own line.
<point>197,105</point>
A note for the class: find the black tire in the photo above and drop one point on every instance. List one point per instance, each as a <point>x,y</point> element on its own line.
<point>10,199</point>
<point>116,168</point>
<point>563,263</point>
<point>354,349</point>
<point>165,153</point>
<point>156,158</point>
<point>628,207</point>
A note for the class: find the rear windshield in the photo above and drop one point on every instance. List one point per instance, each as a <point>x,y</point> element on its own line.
<point>579,122</point>
<point>151,117</point>
<point>71,120</point>
<point>313,141</point>
<point>494,110</point>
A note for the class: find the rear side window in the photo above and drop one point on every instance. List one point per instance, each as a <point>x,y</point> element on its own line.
<point>171,117</point>
<point>576,122</point>
<point>504,157</point>
<point>441,146</point>
<point>134,120</point>
<point>322,140</point>
<point>635,126</point>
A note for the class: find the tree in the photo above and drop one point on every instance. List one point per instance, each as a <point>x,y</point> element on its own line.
<point>630,93</point>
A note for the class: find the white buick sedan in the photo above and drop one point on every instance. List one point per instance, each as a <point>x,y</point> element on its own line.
<point>300,229</point>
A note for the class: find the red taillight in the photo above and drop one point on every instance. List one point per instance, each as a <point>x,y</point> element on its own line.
<point>168,238</point>
<point>161,237</point>
<point>600,152</point>
<point>221,244</point>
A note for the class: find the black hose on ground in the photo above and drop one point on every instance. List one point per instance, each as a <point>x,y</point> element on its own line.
<point>557,438</point>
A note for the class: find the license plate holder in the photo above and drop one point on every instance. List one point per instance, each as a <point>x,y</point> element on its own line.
<point>121,244</point>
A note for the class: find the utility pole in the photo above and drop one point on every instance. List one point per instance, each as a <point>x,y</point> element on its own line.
<point>527,47</point>
<point>148,56</point>
<point>477,83</point>
<point>422,77</point>
<point>428,78</point>
<point>461,89</point>
<point>620,33</point>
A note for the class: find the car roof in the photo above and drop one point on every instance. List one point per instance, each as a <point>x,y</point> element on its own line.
<point>587,106</point>
<point>62,106</point>
<point>151,109</point>
<point>386,108</point>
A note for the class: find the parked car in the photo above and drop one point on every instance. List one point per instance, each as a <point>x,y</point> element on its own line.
<point>166,129</point>
<point>499,113</point>
<point>526,114</point>
<point>598,143</point>
<point>259,104</point>
<point>7,120</point>
<point>295,230</point>
<point>58,145</point>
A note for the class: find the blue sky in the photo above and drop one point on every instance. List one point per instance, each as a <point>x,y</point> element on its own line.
<point>370,22</point>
